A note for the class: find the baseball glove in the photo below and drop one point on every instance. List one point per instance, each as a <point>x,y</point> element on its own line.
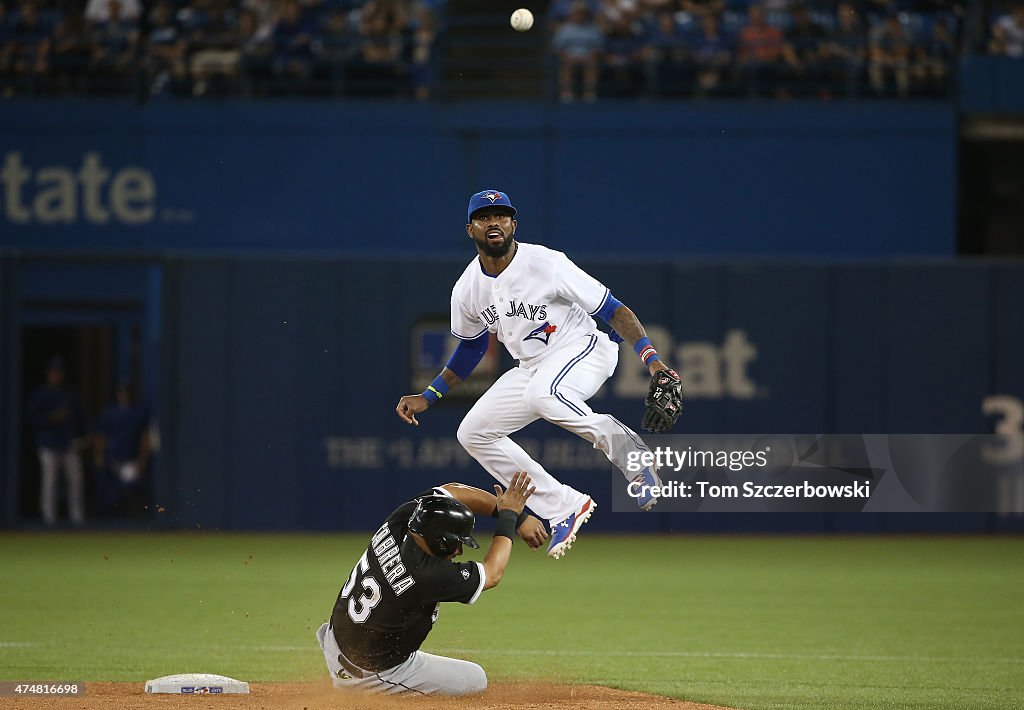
<point>664,402</point>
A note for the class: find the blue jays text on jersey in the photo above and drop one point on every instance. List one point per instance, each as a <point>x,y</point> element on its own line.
<point>519,309</point>
<point>539,303</point>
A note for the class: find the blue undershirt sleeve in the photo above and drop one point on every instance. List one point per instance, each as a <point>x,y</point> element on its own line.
<point>468,354</point>
<point>611,304</point>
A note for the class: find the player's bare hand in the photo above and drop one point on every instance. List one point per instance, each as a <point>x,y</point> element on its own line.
<point>518,491</point>
<point>533,532</point>
<point>655,366</point>
<point>409,406</point>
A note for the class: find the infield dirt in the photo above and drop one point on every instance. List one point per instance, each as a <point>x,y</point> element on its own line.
<point>321,696</point>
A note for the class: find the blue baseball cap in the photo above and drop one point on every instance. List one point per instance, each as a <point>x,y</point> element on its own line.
<point>488,198</point>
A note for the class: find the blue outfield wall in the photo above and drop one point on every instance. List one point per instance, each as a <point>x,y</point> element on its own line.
<point>991,85</point>
<point>279,376</point>
<point>785,179</point>
<point>286,375</point>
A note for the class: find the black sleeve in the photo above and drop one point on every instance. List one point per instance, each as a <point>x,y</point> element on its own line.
<point>446,581</point>
<point>400,515</point>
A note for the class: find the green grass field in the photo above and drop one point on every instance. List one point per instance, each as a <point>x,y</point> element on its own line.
<point>749,622</point>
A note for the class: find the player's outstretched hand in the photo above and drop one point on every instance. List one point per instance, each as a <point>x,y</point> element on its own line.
<point>533,532</point>
<point>409,406</point>
<point>518,491</point>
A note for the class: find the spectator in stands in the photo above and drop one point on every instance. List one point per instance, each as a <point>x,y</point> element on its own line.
<point>214,44</point>
<point>577,45</point>
<point>424,34</point>
<point>122,448</point>
<point>257,52</point>
<point>889,54</point>
<point>263,10</point>
<point>316,12</point>
<point>380,25</point>
<point>165,48</point>
<point>1008,33</point>
<point>929,70</point>
<point>8,80</point>
<point>99,10</point>
<point>653,8</point>
<point>55,415</point>
<point>878,8</point>
<point>760,53</point>
<point>380,67</point>
<point>611,11</point>
<point>703,8</point>
<point>559,10</point>
<point>803,51</point>
<point>845,51</point>
<point>623,56</point>
<point>114,41</point>
<point>25,56</point>
<point>292,41</point>
<point>667,57</point>
<point>5,42</point>
<point>71,54</point>
<point>334,46</point>
<point>712,53</point>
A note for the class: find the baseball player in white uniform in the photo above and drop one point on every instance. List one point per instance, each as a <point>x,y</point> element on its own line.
<point>541,306</point>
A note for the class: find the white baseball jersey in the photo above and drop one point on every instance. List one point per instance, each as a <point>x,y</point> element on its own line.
<point>540,301</point>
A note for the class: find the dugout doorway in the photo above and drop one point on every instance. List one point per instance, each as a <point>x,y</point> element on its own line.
<point>102,320</point>
<point>992,187</point>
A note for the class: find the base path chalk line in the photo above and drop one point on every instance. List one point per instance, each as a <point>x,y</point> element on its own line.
<point>727,654</point>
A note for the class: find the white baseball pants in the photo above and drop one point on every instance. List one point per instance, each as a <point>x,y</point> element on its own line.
<point>421,674</point>
<point>557,389</point>
<point>49,461</point>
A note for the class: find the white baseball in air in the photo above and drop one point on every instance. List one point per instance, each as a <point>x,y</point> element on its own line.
<point>522,20</point>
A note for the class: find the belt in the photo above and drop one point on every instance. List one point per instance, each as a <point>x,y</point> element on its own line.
<point>353,670</point>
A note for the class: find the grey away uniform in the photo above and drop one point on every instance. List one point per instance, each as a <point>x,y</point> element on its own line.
<point>386,609</point>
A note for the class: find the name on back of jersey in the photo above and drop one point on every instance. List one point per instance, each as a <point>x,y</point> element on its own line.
<point>386,551</point>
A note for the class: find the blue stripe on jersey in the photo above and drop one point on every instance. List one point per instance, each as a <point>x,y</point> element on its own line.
<point>565,371</point>
<point>561,398</point>
<point>629,432</point>
<point>607,310</point>
<point>469,337</point>
<point>484,272</point>
<point>607,293</point>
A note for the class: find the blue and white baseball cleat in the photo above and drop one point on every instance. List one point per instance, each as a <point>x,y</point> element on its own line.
<point>647,479</point>
<point>563,535</point>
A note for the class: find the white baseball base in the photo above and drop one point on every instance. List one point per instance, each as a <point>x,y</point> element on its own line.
<point>196,684</point>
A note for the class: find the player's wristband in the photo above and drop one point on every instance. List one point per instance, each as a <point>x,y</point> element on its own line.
<point>519,521</point>
<point>506,524</point>
<point>646,351</point>
<point>435,390</point>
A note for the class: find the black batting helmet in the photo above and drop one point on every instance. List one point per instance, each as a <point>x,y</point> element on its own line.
<point>443,523</point>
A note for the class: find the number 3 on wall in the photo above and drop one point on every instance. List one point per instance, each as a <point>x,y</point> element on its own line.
<point>1009,427</point>
<point>359,608</point>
